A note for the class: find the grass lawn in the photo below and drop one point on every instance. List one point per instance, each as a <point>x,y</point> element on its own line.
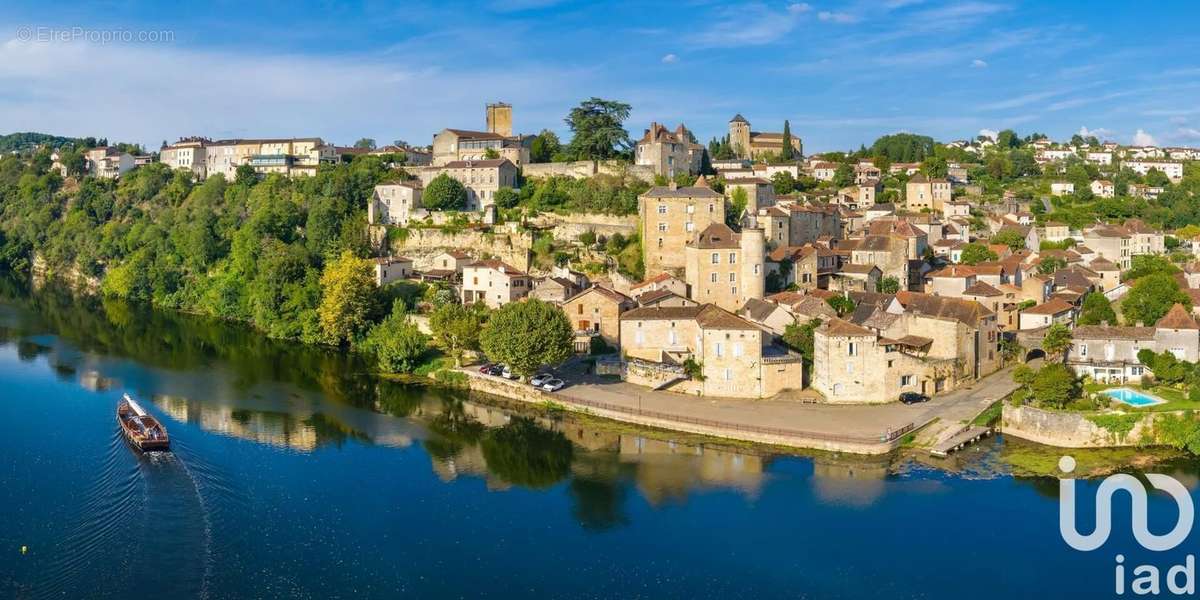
<point>1176,399</point>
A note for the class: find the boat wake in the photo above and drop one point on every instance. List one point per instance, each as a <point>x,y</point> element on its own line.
<point>140,506</point>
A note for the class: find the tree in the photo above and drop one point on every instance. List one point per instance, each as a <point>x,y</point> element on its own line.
<point>396,342</point>
<point>365,143</point>
<point>1056,340</point>
<point>1050,264</point>
<point>1008,139</point>
<point>347,298</point>
<point>1055,385</point>
<point>800,338</point>
<point>737,205</point>
<point>787,153</point>
<point>544,147</point>
<point>843,175</point>
<point>527,336</point>
<point>974,253</point>
<point>245,176</point>
<point>456,328</point>
<point>598,129</point>
<point>902,147</point>
<point>491,153</point>
<point>784,182</point>
<point>1151,297</point>
<point>444,193</point>
<point>506,197</point>
<point>888,285</point>
<point>843,305</point>
<point>1096,310</point>
<point>1012,238</point>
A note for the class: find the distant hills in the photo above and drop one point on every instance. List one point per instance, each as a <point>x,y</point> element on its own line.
<point>29,139</point>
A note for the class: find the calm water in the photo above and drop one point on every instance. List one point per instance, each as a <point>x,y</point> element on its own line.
<point>294,475</point>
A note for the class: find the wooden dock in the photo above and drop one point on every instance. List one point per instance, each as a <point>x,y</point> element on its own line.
<point>960,440</point>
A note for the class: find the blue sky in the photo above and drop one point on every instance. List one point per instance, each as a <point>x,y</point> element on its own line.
<point>844,73</point>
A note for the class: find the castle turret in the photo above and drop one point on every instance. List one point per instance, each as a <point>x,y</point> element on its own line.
<point>739,136</point>
<point>499,119</point>
<point>754,250</point>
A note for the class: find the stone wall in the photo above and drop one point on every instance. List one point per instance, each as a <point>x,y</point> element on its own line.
<point>509,245</point>
<point>569,227</point>
<point>581,169</point>
<point>42,271</point>
<point>1068,429</point>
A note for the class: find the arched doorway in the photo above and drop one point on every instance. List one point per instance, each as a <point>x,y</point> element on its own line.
<point>1035,354</point>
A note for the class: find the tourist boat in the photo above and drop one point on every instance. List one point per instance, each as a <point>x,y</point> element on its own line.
<point>140,428</point>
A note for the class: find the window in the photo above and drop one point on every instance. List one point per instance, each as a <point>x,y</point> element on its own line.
<point>689,226</point>
<point>757,266</point>
<point>737,349</point>
<point>662,209</point>
<point>662,227</point>
<point>580,308</point>
<point>720,349</point>
<point>733,290</point>
<point>906,380</point>
<point>852,349</point>
<point>1135,371</point>
<point>716,258</point>
<point>728,374</point>
<point>713,277</point>
<point>732,258</point>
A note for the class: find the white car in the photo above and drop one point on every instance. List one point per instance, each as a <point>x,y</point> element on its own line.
<point>553,385</point>
<point>540,379</point>
<point>507,373</point>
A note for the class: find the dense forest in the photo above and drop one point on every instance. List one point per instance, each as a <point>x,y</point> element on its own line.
<point>251,250</point>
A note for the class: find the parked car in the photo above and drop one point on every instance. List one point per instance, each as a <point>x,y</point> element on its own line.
<point>553,385</point>
<point>913,398</point>
<point>486,369</point>
<point>539,379</point>
<point>507,373</point>
<point>494,370</point>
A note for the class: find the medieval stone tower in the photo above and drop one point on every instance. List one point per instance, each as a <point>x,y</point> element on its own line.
<point>499,119</point>
<point>739,136</point>
<point>753,246</point>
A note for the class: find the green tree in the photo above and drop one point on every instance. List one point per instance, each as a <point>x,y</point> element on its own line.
<point>245,176</point>
<point>396,342</point>
<point>444,193</point>
<point>1056,340</point>
<point>843,175</point>
<point>737,206</point>
<point>799,337</point>
<point>544,147</point>
<point>491,153</point>
<point>507,197</point>
<point>1096,310</point>
<point>1055,385</point>
<point>843,305</point>
<point>1050,264</point>
<point>456,328</point>
<point>1009,237</point>
<point>787,153</point>
<point>783,182</point>
<point>365,143</point>
<point>527,336</point>
<point>1008,139</point>
<point>598,129</point>
<point>1151,297</point>
<point>347,298</point>
<point>888,285</point>
<point>974,253</point>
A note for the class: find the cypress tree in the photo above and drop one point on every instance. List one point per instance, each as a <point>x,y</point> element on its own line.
<point>786,153</point>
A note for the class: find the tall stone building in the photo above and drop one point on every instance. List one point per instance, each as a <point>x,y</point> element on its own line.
<point>499,119</point>
<point>669,153</point>
<point>751,144</point>
<point>726,268</point>
<point>670,217</point>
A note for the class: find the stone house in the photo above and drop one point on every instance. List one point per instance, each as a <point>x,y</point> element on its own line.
<point>736,356</point>
<point>494,283</point>
<point>482,178</point>
<point>554,289</point>
<point>810,223</point>
<point>775,222</point>
<point>597,311</point>
<point>1046,314</point>
<point>1109,353</point>
<point>888,252</point>
<point>768,315</point>
<point>1112,243</point>
<point>664,298</point>
<point>760,192</point>
<point>669,153</point>
<point>963,331</point>
<point>393,202</point>
<point>1103,188</point>
<point>726,268</point>
<point>670,217</point>
<point>393,268</point>
<point>447,265</point>
<point>1144,238</point>
<point>923,193</point>
<point>855,364</point>
<point>662,281</point>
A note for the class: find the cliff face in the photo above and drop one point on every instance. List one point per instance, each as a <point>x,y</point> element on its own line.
<point>42,271</point>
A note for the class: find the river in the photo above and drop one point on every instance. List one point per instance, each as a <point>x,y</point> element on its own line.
<point>295,473</point>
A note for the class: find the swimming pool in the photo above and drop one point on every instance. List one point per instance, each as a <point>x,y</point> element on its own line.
<point>1133,397</point>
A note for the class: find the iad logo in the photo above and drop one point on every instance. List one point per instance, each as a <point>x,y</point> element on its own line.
<point>1146,576</point>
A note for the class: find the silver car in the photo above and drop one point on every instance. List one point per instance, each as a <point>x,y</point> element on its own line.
<point>540,379</point>
<point>553,385</point>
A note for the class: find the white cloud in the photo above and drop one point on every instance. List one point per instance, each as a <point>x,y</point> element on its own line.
<point>1141,138</point>
<point>1100,132</point>
<point>670,59</point>
<point>837,17</point>
<point>992,133</point>
<point>752,25</point>
<point>799,7</point>
<point>156,92</point>
<point>978,64</point>
<point>1186,134</point>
